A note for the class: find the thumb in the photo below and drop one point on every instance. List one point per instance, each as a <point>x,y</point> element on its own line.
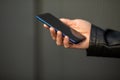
<point>66,21</point>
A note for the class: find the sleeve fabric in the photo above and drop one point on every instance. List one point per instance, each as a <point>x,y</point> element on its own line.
<point>104,43</point>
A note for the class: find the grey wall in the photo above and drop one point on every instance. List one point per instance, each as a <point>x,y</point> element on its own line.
<point>73,64</point>
<point>27,52</point>
<point>16,40</point>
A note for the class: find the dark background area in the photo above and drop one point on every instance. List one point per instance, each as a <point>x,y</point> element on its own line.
<point>27,51</point>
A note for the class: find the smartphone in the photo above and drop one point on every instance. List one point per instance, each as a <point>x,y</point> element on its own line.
<point>52,21</point>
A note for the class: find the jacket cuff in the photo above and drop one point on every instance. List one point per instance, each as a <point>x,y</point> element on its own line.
<point>96,41</point>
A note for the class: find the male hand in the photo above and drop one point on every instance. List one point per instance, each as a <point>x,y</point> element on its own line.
<point>83,27</point>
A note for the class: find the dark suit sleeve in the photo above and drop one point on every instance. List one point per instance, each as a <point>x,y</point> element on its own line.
<point>104,43</point>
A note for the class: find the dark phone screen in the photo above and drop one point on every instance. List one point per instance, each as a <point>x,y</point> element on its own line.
<point>52,21</point>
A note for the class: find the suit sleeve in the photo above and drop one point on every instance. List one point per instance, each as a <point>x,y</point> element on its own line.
<point>104,43</point>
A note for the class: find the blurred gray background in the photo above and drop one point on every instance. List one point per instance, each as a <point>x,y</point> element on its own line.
<point>27,51</point>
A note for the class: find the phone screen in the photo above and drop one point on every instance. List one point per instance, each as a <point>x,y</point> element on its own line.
<point>52,21</point>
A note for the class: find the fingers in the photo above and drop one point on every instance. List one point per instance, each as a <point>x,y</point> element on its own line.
<point>56,36</point>
<point>59,38</point>
<point>53,33</point>
<point>66,42</point>
<point>45,26</point>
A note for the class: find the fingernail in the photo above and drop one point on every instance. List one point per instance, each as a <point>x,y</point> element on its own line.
<point>66,37</point>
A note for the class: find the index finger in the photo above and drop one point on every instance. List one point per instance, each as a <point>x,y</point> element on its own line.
<point>45,26</point>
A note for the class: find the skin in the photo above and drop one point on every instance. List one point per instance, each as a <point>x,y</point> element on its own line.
<point>77,25</point>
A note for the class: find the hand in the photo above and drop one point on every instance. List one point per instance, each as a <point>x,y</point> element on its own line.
<point>79,25</point>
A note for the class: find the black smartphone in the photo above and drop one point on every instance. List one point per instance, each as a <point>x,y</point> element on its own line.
<point>52,21</point>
